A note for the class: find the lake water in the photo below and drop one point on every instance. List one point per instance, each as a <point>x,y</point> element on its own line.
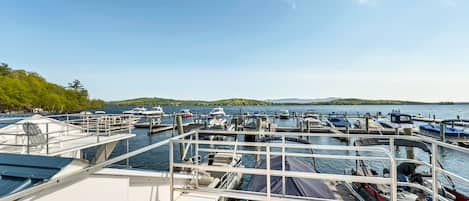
<point>157,159</point>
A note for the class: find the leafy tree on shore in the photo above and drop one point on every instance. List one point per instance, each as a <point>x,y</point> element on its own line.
<point>22,91</point>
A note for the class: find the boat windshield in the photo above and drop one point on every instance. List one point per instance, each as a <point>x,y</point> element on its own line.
<point>404,118</point>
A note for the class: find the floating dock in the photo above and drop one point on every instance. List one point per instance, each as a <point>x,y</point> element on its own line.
<point>166,127</point>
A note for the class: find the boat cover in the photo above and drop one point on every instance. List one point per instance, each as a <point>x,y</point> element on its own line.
<point>19,171</point>
<point>314,188</point>
<point>435,129</point>
<point>339,122</point>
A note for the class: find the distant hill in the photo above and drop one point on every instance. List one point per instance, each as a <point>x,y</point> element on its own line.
<point>355,101</point>
<point>301,100</point>
<point>165,101</point>
<point>241,101</point>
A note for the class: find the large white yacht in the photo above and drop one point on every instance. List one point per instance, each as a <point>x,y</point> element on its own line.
<point>217,111</point>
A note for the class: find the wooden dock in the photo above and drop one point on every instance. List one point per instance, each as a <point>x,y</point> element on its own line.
<point>166,127</point>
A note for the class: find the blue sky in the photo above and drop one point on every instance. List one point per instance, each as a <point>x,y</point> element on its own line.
<point>210,49</point>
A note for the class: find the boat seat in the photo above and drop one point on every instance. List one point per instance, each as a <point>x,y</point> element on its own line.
<point>36,137</point>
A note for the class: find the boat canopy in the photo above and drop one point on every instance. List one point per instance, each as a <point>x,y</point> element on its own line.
<point>400,118</point>
<point>314,188</point>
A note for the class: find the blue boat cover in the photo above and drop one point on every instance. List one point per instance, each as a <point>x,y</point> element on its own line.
<point>449,131</point>
<point>313,188</point>
<point>19,171</point>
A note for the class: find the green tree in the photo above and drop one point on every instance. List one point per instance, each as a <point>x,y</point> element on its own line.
<point>21,91</point>
<point>76,85</point>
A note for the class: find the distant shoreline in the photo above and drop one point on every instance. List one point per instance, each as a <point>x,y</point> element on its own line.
<point>252,102</point>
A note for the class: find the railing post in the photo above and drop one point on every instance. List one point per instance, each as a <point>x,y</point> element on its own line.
<point>87,126</point>
<point>197,158</point>
<point>47,138</point>
<point>127,151</point>
<point>27,143</point>
<point>393,171</point>
<point>434,171</point>
<point>97,130</point>
<point>171,171</point>
<point>367,124</point>
<point>267,158</point>
<point>284,189</point>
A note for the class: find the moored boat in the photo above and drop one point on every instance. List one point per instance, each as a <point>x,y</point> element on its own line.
<point>186,113</point>
<point>338,121</point>
<point>135,111</point>
<point>217,111</point>
<point>407,172</point>
<point>311,119</point>
<point>284,114</point>
<point>398,120</point>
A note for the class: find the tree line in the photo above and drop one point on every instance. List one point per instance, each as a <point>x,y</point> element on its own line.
<point>22,91</point>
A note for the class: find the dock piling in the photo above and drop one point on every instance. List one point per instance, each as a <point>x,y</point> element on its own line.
<point>181,132</point>
<point>442,132</point>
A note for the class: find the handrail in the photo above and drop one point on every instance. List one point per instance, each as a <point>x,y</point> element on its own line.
<point>66,131</point>
<point>392,181</point>
<point>281,173</point>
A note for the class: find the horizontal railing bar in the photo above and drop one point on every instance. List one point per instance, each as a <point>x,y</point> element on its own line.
<point>318,134</point>
<point>453,175</point>
<point>279,145</point>
<point>296,174</point>
<point>413,161</point>
<point>248,195</point>
<point>345,157</point>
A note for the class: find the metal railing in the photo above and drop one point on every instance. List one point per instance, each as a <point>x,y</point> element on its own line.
<point>268,153</point>
<point>191,139</point>
<point>55,130</point>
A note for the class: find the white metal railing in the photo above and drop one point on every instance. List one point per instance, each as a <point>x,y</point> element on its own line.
<point>392,181</point>
<point>55,130</point>
<point>191,139</point>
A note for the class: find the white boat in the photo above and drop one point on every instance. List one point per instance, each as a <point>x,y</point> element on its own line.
<point>155,111</point>
<point>372,124</point>
<point>398,120</point>
<point>284,114</point>
<point>311,120</point>
<point>135,111</point>
<point>219,122</point>
<point>99,112</point>
<point>217,111</point>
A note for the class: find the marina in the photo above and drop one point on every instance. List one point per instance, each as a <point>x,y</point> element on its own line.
<point>216,151</point>
<point>254,100</point>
